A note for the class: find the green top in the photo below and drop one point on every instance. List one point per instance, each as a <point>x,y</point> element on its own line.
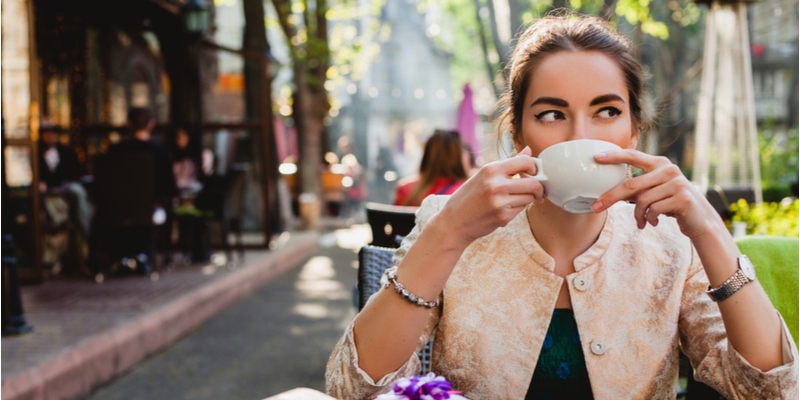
<point>561,370</point>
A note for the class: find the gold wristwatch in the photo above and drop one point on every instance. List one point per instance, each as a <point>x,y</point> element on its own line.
<point>744,275</point>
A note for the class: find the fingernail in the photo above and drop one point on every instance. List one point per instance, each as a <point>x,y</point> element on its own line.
<point>600,155</point>
<point>597,206</point>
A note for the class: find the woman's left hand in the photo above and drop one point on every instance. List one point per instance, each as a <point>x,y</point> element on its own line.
<point>752,325</point>
<point>662,189</point>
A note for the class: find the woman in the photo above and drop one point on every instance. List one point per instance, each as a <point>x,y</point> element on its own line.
<point>442,170</point>
<point>516,276</point>
<point>191,163</point>
<point>200,194</point>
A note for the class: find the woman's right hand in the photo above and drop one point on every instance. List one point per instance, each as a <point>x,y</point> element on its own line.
<point>492,198</point>
<point>489,199</point>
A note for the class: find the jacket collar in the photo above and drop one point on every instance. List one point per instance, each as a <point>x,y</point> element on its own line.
<point>521,228</point>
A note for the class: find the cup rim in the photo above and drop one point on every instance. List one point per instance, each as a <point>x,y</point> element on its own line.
<point>567,142</point>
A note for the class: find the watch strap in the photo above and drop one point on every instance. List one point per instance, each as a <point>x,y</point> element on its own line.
<point>729,287</point>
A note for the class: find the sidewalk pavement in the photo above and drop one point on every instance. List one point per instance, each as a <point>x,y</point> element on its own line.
<point>85,333</point>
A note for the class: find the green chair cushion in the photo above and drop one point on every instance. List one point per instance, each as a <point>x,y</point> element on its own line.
<point>776,262</point>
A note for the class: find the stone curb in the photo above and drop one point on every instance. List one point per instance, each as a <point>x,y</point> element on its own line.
<point>101,357</point>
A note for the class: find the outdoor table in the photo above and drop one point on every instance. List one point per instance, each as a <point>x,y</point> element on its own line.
<point>301,394</point>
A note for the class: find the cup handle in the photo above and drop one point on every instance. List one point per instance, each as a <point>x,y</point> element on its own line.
<point>539,172</point>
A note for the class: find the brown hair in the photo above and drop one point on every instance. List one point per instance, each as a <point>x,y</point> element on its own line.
<point>139,118</point>
<point>570,32</point>
<point>441,159</point>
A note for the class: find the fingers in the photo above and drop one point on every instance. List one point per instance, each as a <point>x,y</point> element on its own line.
<point>494,189</point>
<point>521,163</point>
<point>492,197</point>
<point>629,189</point>
<point>520,200</point>
<point>654,210</point>
<point>633,186</point>
<point>674,198</point>
<point>647,210</point>
<point>633,157</point>
<point>526,185</point>
<point>504,187</point>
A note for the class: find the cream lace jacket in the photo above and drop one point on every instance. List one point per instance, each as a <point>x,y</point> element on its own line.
<point>637,296</point>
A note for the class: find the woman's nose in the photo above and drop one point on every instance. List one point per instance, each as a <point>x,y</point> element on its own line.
<point>581,129</point>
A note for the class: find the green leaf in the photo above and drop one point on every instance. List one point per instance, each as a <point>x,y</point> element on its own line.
<point>656,29</point>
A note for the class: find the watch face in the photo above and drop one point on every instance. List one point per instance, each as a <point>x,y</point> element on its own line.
<point>747,267</point>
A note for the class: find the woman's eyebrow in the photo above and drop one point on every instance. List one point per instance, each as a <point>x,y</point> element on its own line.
<point>605,99</point>
<point>550,100</point>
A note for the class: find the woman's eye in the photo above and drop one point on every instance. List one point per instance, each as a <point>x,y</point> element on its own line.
<point>609,112</point>
<point>550,116</point>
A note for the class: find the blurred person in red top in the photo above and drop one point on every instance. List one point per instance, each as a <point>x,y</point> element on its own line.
<point>441,171</point>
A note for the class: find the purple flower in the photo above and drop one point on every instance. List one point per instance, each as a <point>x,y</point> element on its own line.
<point>424,387</point>
<point>406,386</point>
<point>434,387</point>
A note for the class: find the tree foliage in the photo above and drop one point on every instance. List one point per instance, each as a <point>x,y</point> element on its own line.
<point>778,152</point>
<point>305,28</point>
<point>356,34</point>
<point>330,43</point>
<point>479,33</point>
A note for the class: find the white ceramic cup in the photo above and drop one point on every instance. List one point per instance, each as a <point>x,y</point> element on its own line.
<point>572,179</point>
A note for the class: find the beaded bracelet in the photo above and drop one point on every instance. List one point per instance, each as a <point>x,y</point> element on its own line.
<point>390,277</point>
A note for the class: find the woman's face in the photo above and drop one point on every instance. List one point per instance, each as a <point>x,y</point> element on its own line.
<point>576,95</point>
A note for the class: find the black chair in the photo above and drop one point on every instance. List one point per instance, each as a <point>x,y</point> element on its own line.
<point>694,390</point>
<point>389,223</point>
<point>722,198</point>
<point>223,196</point>
<point>372,262</point>
<point>124,198</point>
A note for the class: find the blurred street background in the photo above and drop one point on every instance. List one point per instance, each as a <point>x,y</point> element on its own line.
<point>275,339</point>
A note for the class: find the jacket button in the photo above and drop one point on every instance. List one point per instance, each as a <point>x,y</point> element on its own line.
<point>581,283</point>
<point>598,347</point>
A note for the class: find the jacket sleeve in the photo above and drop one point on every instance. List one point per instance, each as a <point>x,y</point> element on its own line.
<point>715,361</point>
<point>344,379</point>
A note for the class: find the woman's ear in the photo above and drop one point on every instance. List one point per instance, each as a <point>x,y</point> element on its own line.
<point>634,137</point>
<point>515,139</point>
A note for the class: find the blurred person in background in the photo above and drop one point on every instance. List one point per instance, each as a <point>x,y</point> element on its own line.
<point>58,164</point>
<point>65,200</point>
<point>356,186</point>
<point>191,162</point>
<point>383,179</point>
<point>138,241</point>
<point>200,193</point>
<point>141,124</point>
<point>443,169</point>
<point>468,158</point>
